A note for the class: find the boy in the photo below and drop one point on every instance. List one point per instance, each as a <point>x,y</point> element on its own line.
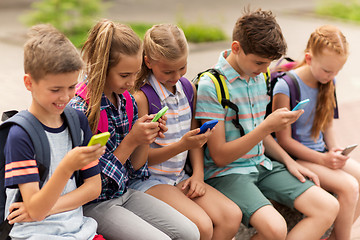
<point>236,165</point>
<point>52,65</point>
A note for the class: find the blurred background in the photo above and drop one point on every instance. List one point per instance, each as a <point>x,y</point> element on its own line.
<point>208,26</point>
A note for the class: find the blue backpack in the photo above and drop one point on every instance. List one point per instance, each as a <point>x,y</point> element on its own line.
<point>41,145</point>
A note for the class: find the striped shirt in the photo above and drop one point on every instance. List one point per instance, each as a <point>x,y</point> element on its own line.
<point>178,122</point>
<point>251,98</point>
<point>114,176</point>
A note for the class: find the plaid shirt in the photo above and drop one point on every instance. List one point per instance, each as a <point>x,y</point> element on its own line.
<point>114,175</point>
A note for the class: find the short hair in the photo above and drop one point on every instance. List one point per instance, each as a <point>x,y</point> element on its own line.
<point>258,33</point>
<point>48,51</point>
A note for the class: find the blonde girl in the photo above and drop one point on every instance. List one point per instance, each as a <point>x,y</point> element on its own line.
<point>113,55</point>
<point>316,147</point>
<point>165,62</point>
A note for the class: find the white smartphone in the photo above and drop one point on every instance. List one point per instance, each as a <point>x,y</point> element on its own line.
<point>348,149</point>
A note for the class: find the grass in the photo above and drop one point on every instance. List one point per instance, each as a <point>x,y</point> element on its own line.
<point>346,10</point>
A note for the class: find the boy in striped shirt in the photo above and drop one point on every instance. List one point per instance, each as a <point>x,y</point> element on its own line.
<point>237,165</point>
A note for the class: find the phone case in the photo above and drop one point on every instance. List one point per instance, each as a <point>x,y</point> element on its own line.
<point>101,138</point>
<point>301,104</point>
<point>348,149</point>
<point>207,125</point>
<point>160,114</point>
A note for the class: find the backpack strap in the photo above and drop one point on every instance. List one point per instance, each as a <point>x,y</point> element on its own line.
<point>129,108</point>
<point>154,100</point>
<point>103,125</point>
<point>73,122</point>
<point>189,92</point>
<point>336,110</point>
<point>223,95</point>
<point>152,97</point>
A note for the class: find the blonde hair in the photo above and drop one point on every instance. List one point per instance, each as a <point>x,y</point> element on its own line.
<point>161,41</point>
<point>106,42</point>
<point>331,38</point>
<point>48,51</point>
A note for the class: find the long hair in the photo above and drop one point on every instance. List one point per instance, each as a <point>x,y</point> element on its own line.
<point>106,42</point>
<point>161,41</point>
<point>331,38</point>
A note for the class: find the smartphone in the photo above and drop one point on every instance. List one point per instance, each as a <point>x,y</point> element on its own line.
<point>160,114</point>
<point>208,125</point>
<point>101,138</point>
<point>301,104</point>
<point>348,149</point>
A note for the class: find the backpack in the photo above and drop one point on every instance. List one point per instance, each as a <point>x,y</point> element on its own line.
<point>271,77</point>
<point>41,145</point>
<point>103,126</point>
<point>154,100</point>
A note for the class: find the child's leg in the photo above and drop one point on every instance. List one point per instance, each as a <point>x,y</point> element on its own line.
<point>268,223</point>
<point>346,188</point>
<point>319,207</point>
<point>353,168</point>
<point>224,213</point>
<point>137,215</point>
<point>256,208</point>
<point>175,198</point>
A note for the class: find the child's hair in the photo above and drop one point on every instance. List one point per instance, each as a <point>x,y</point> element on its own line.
<point>106,43</point>
<point>258,33</point>
<point>163,41</point>
<point>331,38</point>
<point>48,51</point>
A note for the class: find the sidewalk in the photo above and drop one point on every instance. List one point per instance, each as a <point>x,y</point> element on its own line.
<point>296,21</point>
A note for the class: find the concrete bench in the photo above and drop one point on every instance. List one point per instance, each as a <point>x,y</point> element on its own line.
<point>291,216</point>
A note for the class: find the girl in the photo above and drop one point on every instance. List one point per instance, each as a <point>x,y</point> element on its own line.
<point>164,63</point>
<point>316,148</point>
<point>113,55</point>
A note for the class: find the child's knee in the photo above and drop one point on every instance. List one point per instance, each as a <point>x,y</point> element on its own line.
<point>350,189</point>
<point>232,218</point>
<point>275,230</point>
<point>205,227</point>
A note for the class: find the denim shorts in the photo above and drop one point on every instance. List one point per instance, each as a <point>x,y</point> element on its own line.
<point>153,180</point>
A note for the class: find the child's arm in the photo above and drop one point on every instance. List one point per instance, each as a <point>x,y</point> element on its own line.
<point>39,202</point>
<point>87,192</point>
<point>300,151</point>
<point>224,153</point>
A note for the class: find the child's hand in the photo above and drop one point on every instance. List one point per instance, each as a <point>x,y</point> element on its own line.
<point>163,127</point>
<point>18,213</point>
<point>192,139</point>
<point>281,118</point>
<point>79,157</point>
<point>193,187</point>
<point>333,159</point>
<point>144,131</point>
<point>301,173</point>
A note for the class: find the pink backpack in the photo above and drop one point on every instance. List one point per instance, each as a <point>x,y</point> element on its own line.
<point>103,126</point>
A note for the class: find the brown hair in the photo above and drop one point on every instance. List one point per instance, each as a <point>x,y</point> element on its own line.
<point>106,42</point>
<point>162,41</point>
<point>331,38</point>
<point>48,51</point>
<point>258,33</point>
